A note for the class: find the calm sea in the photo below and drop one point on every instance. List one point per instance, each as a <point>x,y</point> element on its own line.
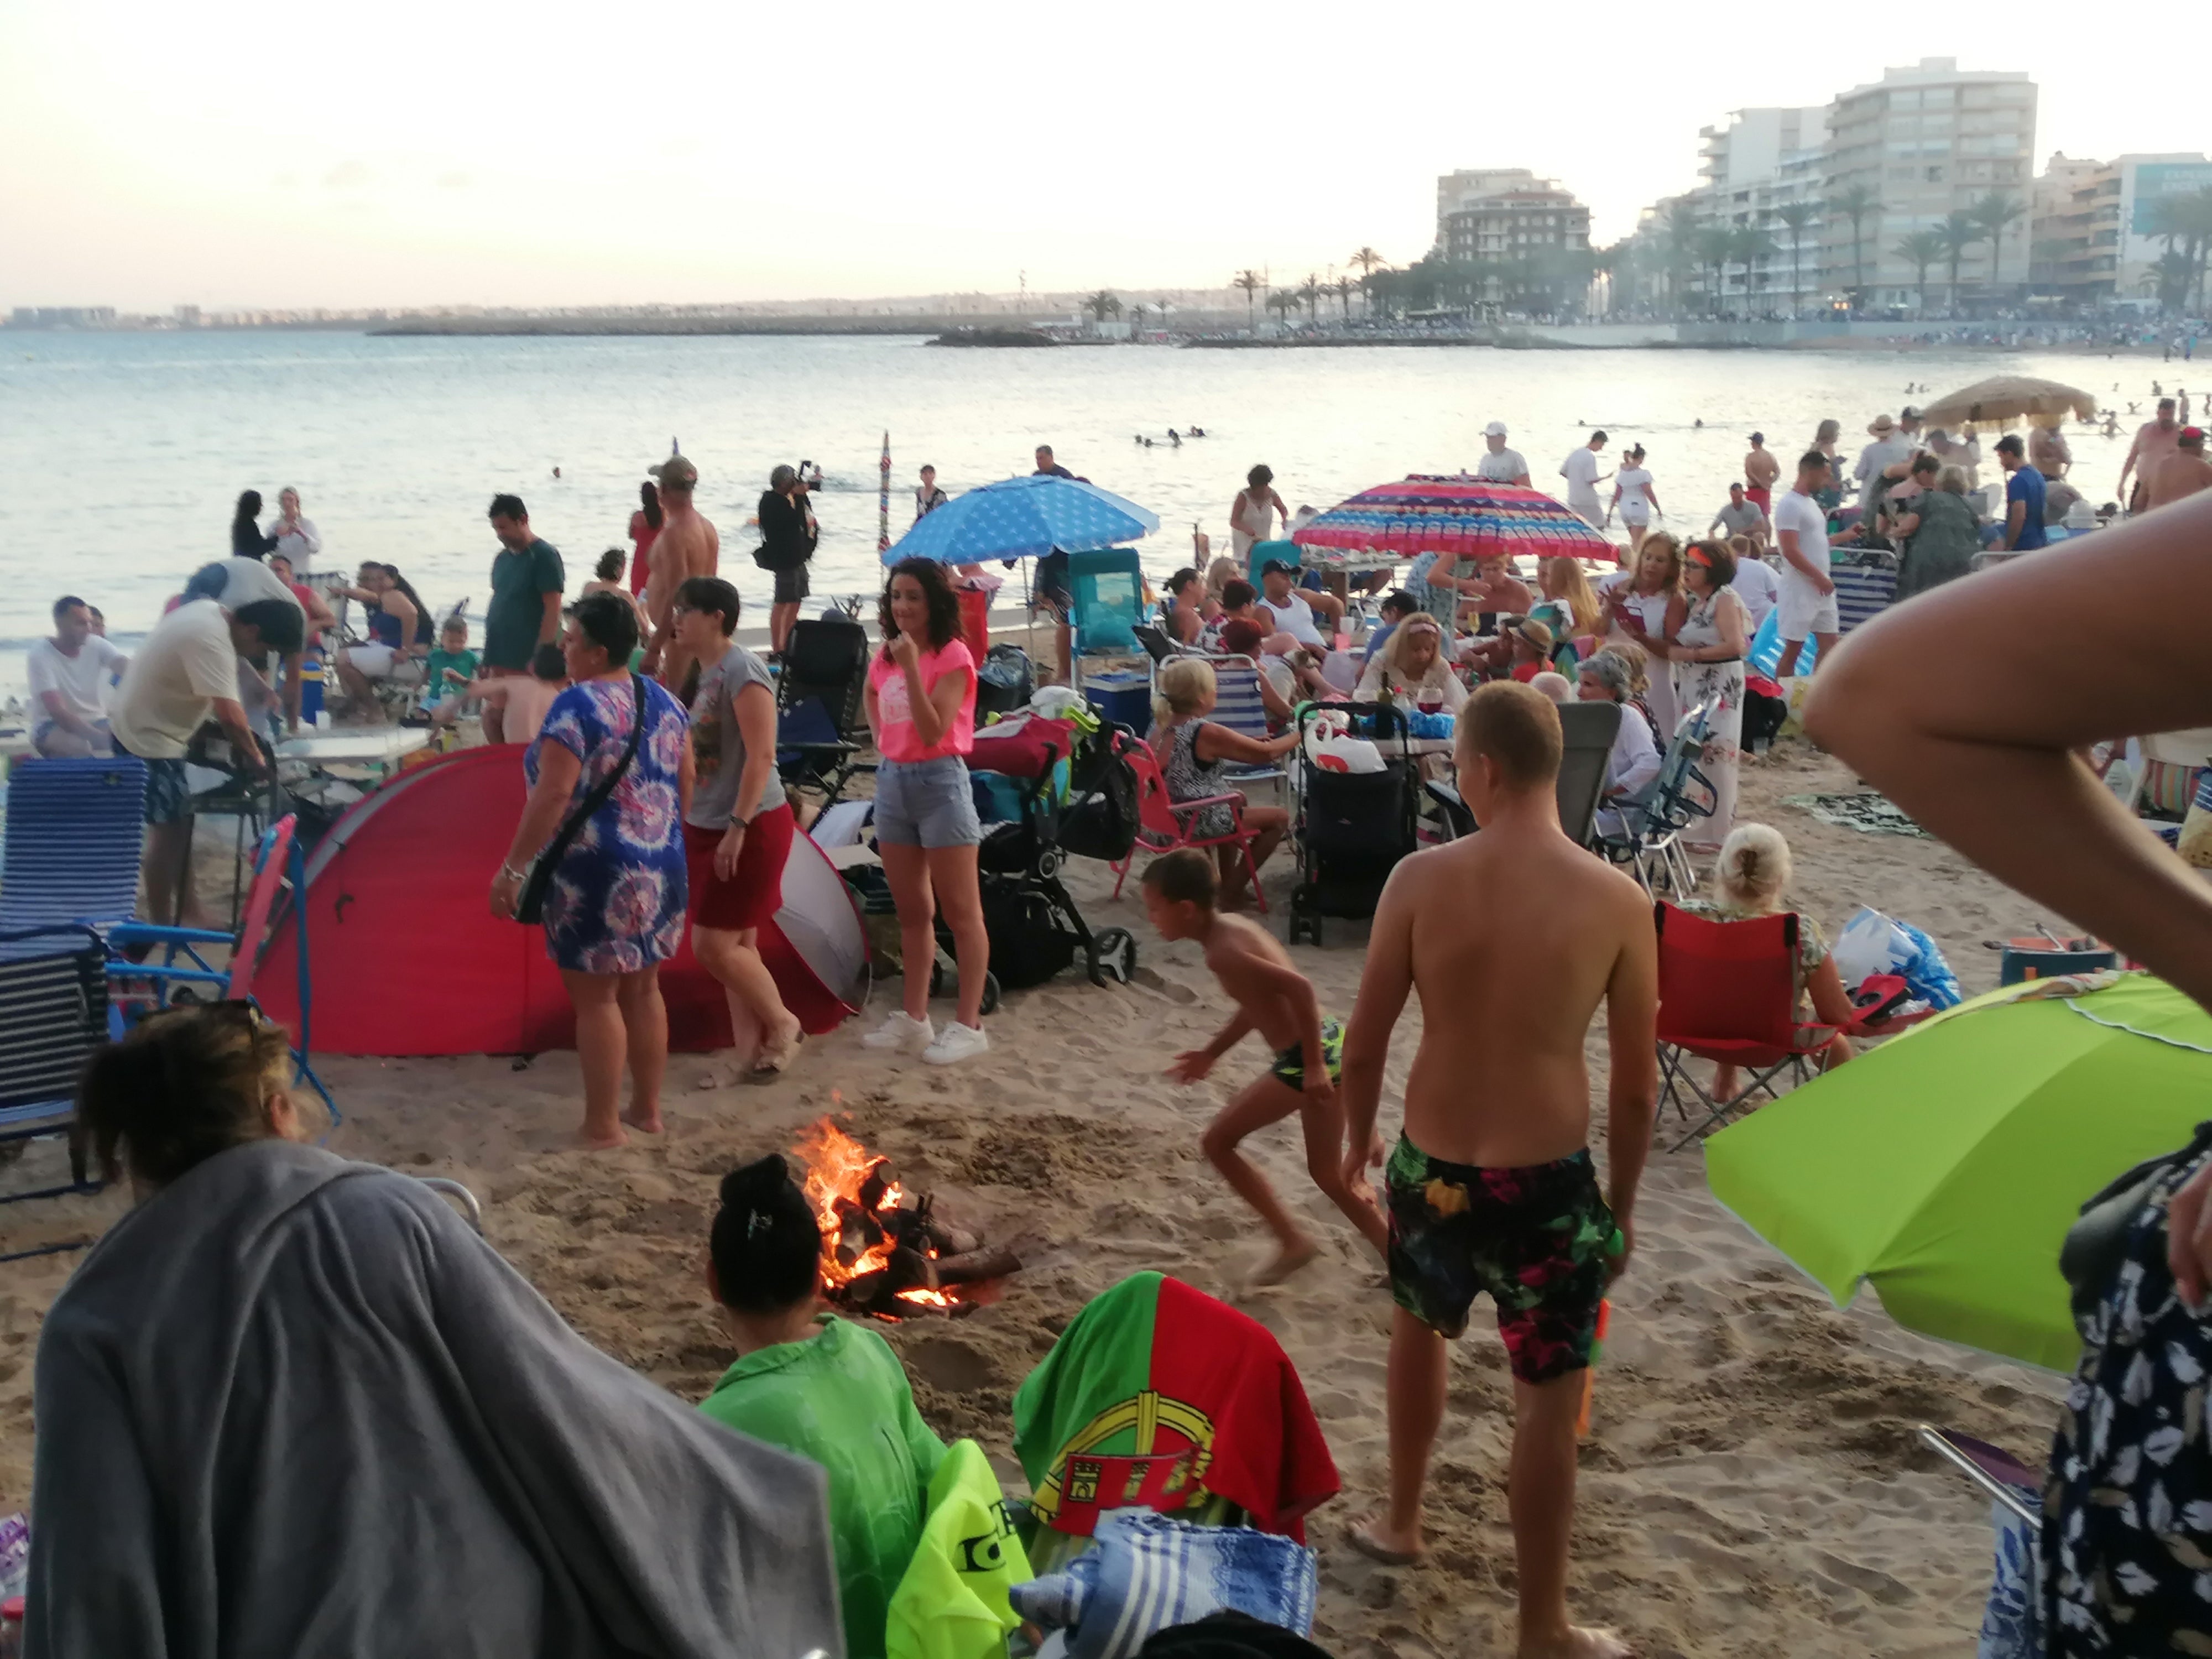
<point>121,455</point>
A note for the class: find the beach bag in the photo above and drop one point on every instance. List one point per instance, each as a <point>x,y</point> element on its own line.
<point>1764,711</point>
<point>1025,746</point>
<point>1029,944</point>
<point>1873,944</point>
<point>1004,682</point>
<point>1101,819</point>
<point>529,903</point>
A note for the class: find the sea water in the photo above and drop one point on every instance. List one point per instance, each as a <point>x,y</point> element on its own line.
<point>122,455</point>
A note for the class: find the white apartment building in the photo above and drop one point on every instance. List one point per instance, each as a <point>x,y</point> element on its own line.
<point>1923,142</point>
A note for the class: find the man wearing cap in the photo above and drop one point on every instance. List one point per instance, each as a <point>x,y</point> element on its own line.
<point>2155,441</point>
<point>1908,426</point>
<point>2024,488</point>
<point>2183,472</point>
<point>1890,447</point>
<point>1580,471</point>
<point>1760,470</point>
<point>1281,603</point>
<point>1501,464</point>
<point>687,546</point>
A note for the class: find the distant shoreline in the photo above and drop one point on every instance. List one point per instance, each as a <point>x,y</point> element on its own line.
<point>644,327</point>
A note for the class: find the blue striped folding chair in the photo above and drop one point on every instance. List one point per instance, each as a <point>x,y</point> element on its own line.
<point>53,1013</point>
<point>74,829</point>
<point>1238,706</point>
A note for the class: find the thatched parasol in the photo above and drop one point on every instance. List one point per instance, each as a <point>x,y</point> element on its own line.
<point>1993,404</point>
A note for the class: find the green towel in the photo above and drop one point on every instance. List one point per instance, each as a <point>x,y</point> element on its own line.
<point>953,1603</point>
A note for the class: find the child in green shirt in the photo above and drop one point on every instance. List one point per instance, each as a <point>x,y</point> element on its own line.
<point>819,1386</point>
<point>450,667</point>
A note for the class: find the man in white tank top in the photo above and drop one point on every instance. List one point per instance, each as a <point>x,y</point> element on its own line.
<point>1286,606</point>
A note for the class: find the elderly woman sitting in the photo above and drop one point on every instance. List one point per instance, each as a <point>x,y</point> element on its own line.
<point>1752,877</point>
<point>1412,669</point>
<point>1939,532</point>
<point>1634,763</point>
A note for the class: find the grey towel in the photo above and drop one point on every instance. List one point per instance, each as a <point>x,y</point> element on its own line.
<point>293,1406</point>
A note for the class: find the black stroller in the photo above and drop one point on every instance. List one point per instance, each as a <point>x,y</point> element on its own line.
<point>818,694</point>
<point>1352,827</point>
<point>1036,929</point>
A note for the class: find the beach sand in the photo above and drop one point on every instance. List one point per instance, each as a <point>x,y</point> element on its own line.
<point>1751,1486</point>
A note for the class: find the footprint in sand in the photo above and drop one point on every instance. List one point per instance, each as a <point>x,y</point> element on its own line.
<point>949,1364</point>
<point>1152,979</point>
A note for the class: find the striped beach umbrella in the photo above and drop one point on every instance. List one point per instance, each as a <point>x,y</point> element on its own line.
<point>1464,516</point>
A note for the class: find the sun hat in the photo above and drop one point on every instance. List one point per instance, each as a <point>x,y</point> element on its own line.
<point>1882,427</point>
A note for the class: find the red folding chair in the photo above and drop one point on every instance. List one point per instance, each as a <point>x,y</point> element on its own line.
<point>1166,825</point>
<point>1728,993</point>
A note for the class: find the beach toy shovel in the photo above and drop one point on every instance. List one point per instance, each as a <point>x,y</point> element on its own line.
<point>1589,1372</point>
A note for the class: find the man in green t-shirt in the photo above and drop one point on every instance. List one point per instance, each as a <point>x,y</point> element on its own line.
<point>527,583</point>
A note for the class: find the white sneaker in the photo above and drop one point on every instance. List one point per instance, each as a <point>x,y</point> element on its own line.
<point>901,1030</point>
<point>956,1043</point>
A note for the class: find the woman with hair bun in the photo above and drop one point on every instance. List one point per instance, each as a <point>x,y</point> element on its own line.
<point>294,1405</point>
<point>822,1387</point>
<point>1752,877</point>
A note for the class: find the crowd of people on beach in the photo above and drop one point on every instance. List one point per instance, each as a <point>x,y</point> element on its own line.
<point>655,805</point>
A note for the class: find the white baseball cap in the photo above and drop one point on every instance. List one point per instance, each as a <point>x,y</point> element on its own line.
<point>1495,429</point>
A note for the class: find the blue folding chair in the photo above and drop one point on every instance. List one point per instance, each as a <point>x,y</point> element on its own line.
<point>145,986</point>
<point>1652,824</point>
<point>53,1013</point>
<point>75,827</point>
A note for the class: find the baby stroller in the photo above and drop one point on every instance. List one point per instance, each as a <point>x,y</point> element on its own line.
<point>1036,929</point>
<point>1352,827</point>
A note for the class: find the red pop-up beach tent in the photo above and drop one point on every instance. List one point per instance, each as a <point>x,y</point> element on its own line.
<point>407,959</point>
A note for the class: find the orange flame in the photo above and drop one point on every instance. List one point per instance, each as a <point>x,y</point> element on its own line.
<point>837,1167</point>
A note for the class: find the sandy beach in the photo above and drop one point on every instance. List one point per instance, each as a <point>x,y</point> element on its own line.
<point>1751,1486</point>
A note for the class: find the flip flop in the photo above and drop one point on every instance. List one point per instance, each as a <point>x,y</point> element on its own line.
<point>1367,1546</point>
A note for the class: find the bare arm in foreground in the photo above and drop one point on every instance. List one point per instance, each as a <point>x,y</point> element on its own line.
<point>1938,705</point>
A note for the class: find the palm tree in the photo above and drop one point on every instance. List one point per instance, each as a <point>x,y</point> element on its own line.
<point>1854,204</point>
<point>1920,250</point>
<point>1713,246</point>
<point>1102,304</point>
<point>1137,317</point>
<point>1282,302</point>
<point>1160,305</point>
<point>2167,280</point>
<point>1958,232</point>
<point>1993,213</point>
<point>1747,245</point>
<point>1369,262</point>
<point>1251,282</point>
<point>1309,290</point>
<point>1796,216</point>
<point>1344,288</point>
<point>1679,244</point>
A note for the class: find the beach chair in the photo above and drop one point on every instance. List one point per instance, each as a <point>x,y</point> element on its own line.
<point>1165,825</point>
<point>53,1013</point>
<point>1238,705</point>
<point>2183,752</point>
<point>75,832</point>
<point>819,696</point>
<point>1586,730</point>
<point>143,987</point>
<point>1728,993</point>
<point>1649,839</point>
<point>2012,1618</point>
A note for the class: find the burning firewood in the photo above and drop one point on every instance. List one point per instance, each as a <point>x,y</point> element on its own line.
<point>882,1254</point>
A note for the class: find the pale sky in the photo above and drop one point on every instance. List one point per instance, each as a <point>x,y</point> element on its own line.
<point>251,152</point>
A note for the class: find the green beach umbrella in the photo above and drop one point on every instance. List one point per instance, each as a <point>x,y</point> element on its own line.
<point>1946,1165</point>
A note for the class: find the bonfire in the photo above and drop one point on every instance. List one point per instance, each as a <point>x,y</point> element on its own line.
<point>882,1253</point>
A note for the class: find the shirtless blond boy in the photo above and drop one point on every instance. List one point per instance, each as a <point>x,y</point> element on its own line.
<point>1513,938</point>
<point>687,546</point>
<point>1276,1001</point>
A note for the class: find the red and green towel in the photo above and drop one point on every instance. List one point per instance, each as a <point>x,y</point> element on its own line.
<point>1153,1367</point>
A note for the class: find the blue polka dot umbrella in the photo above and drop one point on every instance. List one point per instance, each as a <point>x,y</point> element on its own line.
<point>1022,518</point>
<point>1463,516</point>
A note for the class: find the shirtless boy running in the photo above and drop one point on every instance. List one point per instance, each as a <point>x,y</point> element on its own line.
<point>1274,999</point>
<point>1513,938</point>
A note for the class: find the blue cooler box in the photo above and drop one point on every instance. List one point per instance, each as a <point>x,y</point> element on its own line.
<point>1123,696</point>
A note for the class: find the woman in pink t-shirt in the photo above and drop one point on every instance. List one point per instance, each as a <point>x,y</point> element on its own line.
<point>921,707</point>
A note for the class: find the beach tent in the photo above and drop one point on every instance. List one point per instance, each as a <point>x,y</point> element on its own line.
<point>407,959</point>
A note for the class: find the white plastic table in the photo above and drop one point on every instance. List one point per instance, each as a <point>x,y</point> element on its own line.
<point>363,746</point>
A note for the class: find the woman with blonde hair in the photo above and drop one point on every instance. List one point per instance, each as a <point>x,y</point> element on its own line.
<point>1750,878</point>
<point>1191,748</point>
<point>1643,594</point>
<point>1707,638</point>
<point>1940,535</point>
<point>1412,668</point>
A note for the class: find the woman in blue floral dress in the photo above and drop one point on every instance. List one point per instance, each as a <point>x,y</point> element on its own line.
<point>614,909</point>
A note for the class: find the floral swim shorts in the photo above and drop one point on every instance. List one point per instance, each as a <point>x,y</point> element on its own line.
<point>1536,1238</point>
<point>1289,1066</point>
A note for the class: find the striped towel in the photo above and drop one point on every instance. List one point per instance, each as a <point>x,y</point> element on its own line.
<point>1146,1573</point>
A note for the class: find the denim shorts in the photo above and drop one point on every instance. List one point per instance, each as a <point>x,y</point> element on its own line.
<point>926,804</point>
